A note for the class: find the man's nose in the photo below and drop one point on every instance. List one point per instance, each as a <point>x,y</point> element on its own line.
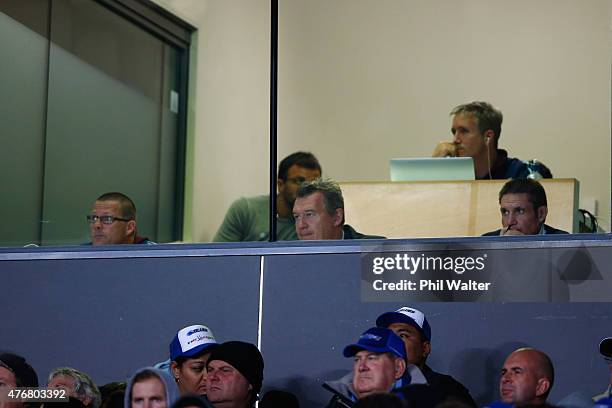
<point>362,366</point>
<point>456,138</point>
<point>301,222</point>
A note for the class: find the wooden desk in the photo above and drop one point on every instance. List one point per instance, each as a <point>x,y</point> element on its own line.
<point>445,208</point>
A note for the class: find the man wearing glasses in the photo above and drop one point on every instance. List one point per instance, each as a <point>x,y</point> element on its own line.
<point>112,221</point>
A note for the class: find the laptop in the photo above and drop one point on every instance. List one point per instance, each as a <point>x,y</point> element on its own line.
<point>432,169</point>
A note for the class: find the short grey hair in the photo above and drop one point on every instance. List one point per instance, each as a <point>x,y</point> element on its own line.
<point>83,384</point>
<point>331,193</point>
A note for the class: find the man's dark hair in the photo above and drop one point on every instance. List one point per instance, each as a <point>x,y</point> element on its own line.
<point>302,159</point>
<point>489,117</point>
<point>382,399</point>
<point>534,190</point>
<point>126,205</point>
<point>331,193</point>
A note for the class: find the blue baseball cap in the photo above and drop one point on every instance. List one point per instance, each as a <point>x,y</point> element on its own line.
<point>378,340</point>
<point>408,315</point>
<point>191,341</point>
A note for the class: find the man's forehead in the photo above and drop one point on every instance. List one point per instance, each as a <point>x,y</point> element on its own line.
<point>312,202</point>
<point>220,364</point>
<point>466,117</point>
<point>403,327</point>
<point>515,200</point>
<point>299,171</point>
<point>365,353</point>
<point>106,206</point>
<point>521,359</point>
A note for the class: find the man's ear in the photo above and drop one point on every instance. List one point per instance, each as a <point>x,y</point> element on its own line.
<point>542,387</point>
<point>542,213</point>
<point>130,228</point>
<point>400,368</point>
<point>489,136</point>
<point>280,184</point>
<point>338,217</point>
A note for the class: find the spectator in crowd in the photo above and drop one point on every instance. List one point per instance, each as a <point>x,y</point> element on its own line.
<point>247,218</point>
<point>523,209</point>
<point>605,349</point>
<point>476,127</point>
<point>112,394</point>
<point>15,372</point>
<point>379,362</point>
<point>77,384</point>
<point>279,399</point>
<point>112,221</point>
<point>381,400</point>
<point>414,330</point>
<point>189,353</point>
<point>319,212</point>
<point>150,388</point>
<point>192,401</point>
<point>235,375</point>
<point>526,378</point>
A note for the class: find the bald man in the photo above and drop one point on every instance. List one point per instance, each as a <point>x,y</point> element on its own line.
<point>526,377</point>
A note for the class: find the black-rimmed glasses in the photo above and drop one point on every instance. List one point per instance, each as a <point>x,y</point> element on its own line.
<point>104,219</point>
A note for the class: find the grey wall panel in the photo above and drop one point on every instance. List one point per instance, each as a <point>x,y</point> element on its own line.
<point>312,309</point>
<point>111,316</point>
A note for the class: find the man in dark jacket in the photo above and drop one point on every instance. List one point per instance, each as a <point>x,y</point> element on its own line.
<point>523,207</point>
<point>412,327</point>
<point>319,213</point>
<point>476,128</point>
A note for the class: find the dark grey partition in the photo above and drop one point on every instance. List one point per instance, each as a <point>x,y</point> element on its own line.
<point>311,310</point>
<point>108,317</point>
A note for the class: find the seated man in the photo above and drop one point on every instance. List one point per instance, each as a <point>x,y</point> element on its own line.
<point>523,209</point>
<point>150,388</point>
<point>235,375</point>
<point>319,213</point>
<point>77,384</point>
<point>15,372</point>
<point>526,378</point>
<point>379,362</point>
<point>112,221</point>
<point>412,327</point>
<point>476,129</point>
<point>605,349</point>
<point>247,218</point>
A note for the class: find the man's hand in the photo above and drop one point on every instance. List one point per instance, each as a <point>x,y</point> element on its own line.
<point>445,149</point>
<point>510,231</point>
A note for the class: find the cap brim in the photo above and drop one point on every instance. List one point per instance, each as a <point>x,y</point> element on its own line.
<point>196,350</point>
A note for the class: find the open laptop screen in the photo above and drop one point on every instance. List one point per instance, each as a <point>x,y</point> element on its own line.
<point>432,169</point>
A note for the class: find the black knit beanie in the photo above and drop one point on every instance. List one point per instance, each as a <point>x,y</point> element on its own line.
<point>245,358</point>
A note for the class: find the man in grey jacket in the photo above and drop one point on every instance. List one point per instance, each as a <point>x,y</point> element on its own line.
<point>379,363</point>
